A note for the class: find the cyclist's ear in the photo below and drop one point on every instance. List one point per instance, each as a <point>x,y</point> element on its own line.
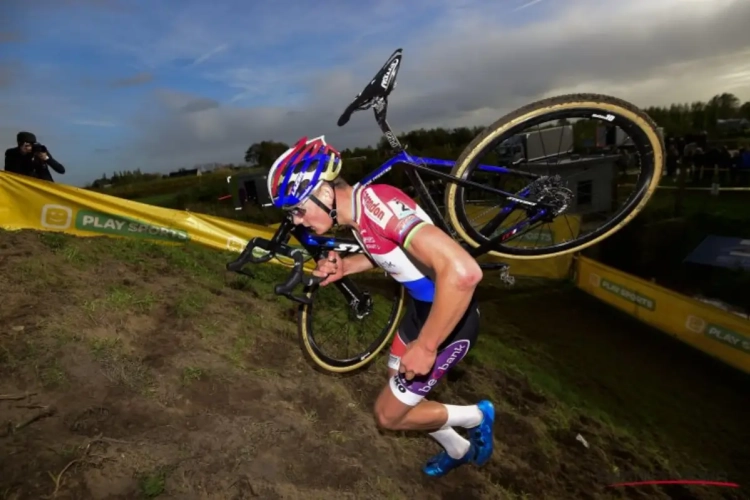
<point>325,193</point>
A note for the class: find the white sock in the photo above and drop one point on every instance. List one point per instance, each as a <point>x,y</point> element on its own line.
<point>463,416</point>
<point>455,445</point>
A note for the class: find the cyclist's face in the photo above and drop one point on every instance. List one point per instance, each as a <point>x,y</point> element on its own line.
<point>311,216</point>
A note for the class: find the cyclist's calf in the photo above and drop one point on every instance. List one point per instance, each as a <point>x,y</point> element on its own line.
<point>392,414</point>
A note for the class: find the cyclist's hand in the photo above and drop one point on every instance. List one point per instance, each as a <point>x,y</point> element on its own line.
<point>332,266</point>
<point>418,360</point>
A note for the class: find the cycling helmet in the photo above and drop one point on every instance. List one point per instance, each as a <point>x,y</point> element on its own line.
<point>300,170</point>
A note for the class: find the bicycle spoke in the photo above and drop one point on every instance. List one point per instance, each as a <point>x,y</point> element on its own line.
<point>568,188</point>
<point>338,333</point>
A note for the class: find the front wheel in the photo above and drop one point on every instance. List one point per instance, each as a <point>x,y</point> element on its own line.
<point>586,177</point>
<point>340,335</point>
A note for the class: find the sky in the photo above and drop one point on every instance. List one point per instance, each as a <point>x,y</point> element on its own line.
<point>161,84</point>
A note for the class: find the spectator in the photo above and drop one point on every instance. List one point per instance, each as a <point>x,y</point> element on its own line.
<point>673,155</point>
<point>699,163</point>
<point>743,158</point>
<point>31,158</point>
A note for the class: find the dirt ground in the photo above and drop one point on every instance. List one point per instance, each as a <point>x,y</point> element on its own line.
<point>132,370</point>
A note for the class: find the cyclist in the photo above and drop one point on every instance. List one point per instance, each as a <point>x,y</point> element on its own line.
<point>442,317</point>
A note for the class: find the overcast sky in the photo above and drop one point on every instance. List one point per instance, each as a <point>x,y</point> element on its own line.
<point>124,84</point>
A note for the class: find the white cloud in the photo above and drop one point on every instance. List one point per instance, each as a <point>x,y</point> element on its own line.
<point>469,73</point>
<point>280,70</point>
<point>94,123</point>
<point>526,5</point>
<point>205,57</point>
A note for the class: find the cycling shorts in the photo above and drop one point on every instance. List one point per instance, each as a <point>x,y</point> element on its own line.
<point>450,352</point>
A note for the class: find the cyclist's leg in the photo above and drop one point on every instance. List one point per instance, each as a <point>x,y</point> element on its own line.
<point>455,445</point>
<point>402,405</point>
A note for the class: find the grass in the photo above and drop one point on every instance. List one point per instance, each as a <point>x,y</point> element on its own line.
<point>166,186</point>
<point>729,204</point>
<point>160,200</point>
<point>196,379</point>
<point>153,484</point>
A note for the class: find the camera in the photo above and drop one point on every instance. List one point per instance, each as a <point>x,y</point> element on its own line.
<point>38,148</point>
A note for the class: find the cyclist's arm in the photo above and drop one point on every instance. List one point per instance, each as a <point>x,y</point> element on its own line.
<point>456,276</point>
<point>456,273</point>
<point>357,264</point>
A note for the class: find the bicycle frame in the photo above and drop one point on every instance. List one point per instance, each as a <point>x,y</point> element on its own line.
<point>413,165</point>
<point>316,246</point>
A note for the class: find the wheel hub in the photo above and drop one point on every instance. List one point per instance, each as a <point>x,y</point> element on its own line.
<point>550,191</point>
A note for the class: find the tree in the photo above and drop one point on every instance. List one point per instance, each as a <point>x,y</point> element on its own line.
<point>699,116</point>
<point>264,153</point>
<point>744,111</point>
<point>677,119</point>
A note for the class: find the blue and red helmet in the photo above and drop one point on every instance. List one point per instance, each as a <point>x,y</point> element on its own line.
<point>300,170</point>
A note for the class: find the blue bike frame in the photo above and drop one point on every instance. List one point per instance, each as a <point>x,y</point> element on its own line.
<point>423,163</point>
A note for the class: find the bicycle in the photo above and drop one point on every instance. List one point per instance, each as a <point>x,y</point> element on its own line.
<point>543,198</point>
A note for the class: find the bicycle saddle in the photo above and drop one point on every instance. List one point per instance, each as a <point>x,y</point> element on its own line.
<point>380,87</point>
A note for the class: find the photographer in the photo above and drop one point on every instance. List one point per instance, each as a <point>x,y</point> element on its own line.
<point>31,158</point>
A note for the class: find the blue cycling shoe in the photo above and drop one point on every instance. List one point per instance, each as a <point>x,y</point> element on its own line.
<point>442,463</point>
<point>481,436</point>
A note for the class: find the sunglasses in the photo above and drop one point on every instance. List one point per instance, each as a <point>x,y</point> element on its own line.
<point>297,211</point>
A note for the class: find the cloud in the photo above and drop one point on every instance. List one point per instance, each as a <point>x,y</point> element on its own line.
<point>200,104</point>
<point>526,5</point>
<point>94,123</point>
<point>469,73</point>
<point>226,74</point>
<point>205,57</point>
<point>137,79</point>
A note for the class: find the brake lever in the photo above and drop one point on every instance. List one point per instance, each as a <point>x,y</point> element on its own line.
<point>247,257</point>
<point>296,276</point>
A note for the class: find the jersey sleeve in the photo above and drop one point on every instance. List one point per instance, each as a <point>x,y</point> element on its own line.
<point>396,216</point>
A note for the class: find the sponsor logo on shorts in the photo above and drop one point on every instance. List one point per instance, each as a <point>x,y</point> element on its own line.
<point>399,385</point>
<point>444,362</point>
<point>394,361</point>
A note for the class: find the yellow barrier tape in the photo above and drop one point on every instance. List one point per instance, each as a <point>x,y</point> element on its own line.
<point>722,335</point>
<point>27,203</point>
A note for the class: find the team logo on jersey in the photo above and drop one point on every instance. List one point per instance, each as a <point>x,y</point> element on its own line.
<point>374,209</point>
<point>400,208</point>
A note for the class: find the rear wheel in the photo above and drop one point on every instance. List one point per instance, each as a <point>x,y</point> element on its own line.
<point>576,123</point>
